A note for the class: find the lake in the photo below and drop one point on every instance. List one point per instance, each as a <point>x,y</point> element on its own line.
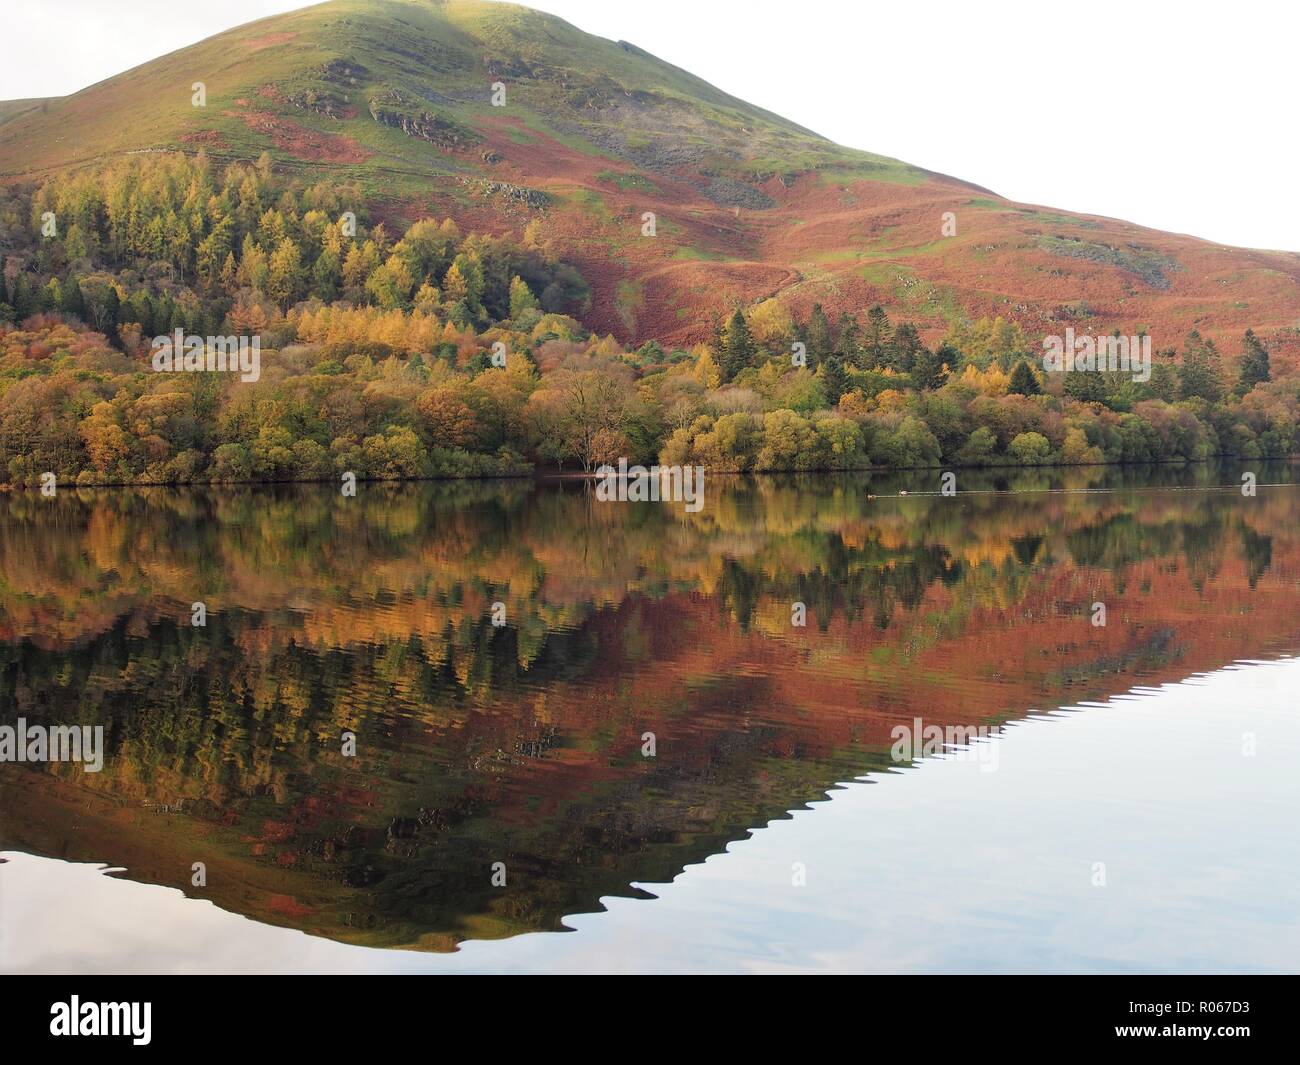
<point>825,723</point>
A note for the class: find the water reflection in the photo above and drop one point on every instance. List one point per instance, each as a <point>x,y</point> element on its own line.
<point>523,744</point>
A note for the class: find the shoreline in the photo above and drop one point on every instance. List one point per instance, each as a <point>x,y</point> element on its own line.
<point>583,475</point>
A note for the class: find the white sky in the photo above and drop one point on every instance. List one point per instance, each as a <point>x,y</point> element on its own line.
<point>1180,116</point>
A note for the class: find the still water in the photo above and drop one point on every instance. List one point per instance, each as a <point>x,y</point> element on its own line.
<point>666,772</point>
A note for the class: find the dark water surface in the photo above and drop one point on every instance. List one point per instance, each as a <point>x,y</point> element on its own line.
<point>1148,825</point>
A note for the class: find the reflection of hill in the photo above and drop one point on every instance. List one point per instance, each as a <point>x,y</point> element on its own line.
<point>522,744</point>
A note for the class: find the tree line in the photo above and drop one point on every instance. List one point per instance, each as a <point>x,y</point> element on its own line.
<point>438,353</point>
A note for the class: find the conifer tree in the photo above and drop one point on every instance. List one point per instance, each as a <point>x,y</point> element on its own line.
<point>876,338</point>
<point>849,339</point>
<point>73,302</point>
<point>1254,364</point>
<point>21,299</point>
<point>834,381</point>
<point>929,368</point>
<point>903,352</point>
<point>1201,374</point>
<point>737,347</point>
<point>820,342</point>
<point>1024,382</point>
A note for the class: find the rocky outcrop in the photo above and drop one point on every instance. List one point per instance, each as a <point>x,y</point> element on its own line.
<point>426,127</point>
<point>525,197</point>
<point>533,199</point>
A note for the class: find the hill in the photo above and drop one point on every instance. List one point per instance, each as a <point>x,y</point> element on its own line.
<point>397,95</point>
<point>11,109</point>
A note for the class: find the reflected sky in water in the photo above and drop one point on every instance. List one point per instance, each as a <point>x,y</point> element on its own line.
<point>942,869</point>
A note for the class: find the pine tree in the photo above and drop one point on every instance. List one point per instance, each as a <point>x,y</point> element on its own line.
<point>820,342</point>
<point>21,299</point>
<point>950,357</point>
<point>928,369</point>
<point>737,347</point>
<point>1200,375</point>
<point>906,347</point>
<point>164,308</point>
<point>834,381</point>
<point>73,302</point>
<point>102,305</point>
<point>651,353</point>
<point>1254,364</point>
<point>1024,382</point>
<point>1086,386</point>
<point>464,281</point>
<point>877,338</point>
<point>1164,375</point>
<point>849,339</point>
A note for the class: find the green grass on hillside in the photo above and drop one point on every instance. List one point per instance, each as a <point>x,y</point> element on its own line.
<point>596,96</point>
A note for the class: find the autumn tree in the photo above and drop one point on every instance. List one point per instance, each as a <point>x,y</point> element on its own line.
<point>284,278</point>
<point>592,406</point>
<point>102,303</point>
<point>253,267</point>
<point>447,417</point>
<point>521,297</point>
<point>771,326</point>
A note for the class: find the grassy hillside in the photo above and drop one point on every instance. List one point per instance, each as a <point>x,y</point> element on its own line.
<point>397,95</point>
<point>11,109</point>
<point>328,63</point>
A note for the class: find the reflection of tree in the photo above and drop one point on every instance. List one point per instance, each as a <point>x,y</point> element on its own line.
<point>1026,549</point>
<point>1257,550</point>
<point>521,743</point>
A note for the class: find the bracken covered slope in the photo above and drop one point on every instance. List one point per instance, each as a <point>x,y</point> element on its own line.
<point>593,134</point>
